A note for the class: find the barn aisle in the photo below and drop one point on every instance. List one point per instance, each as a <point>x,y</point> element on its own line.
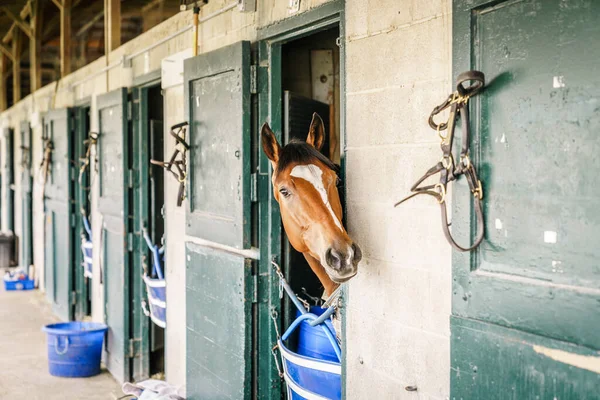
<point>23,355</point>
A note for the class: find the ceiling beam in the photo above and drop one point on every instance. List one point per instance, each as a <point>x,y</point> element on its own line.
<point>65,38</point>
<point>16,50</point>
<point>6,51</point>
<point>58,4</point>
<point>112,25</point>
<point>91,23</point>
<point>17,20</point>
<point>35,45</point>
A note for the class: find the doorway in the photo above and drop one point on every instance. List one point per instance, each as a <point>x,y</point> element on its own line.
<point>310,82</point>
<point>87,171</point>
<point>148,216</point>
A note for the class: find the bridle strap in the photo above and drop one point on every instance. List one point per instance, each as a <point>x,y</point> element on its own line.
<point>447,168</point>
<point>178,131</point>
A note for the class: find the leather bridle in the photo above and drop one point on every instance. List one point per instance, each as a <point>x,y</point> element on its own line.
<point>446,167</point>
<point>178,131</point>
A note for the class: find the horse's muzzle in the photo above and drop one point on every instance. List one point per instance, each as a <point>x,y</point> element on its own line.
<point>342,261</point>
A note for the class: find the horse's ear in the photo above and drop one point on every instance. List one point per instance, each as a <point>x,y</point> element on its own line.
<point>269,143</point>
<point>316,133</point>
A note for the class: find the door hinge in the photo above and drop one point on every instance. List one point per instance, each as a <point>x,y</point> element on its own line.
<point>73,220</point>
<point>73,298</point>
<point>255,288</point>
<point>130,241</point>
<point>134,347</point>
<point>253,85</point>
<point>129,110</point>
<point>253,187</point>
<point>130,178</point>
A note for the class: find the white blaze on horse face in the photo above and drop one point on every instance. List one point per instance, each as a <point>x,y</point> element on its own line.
<point>314,175</point>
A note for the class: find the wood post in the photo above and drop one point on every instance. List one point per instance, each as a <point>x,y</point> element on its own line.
<point>35,46</point>
<point>65,38</point>
<point>112,25</point>
<point>3,88</point>
<point>16,51</point>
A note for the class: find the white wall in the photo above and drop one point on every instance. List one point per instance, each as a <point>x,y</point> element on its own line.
<point>398,67</point>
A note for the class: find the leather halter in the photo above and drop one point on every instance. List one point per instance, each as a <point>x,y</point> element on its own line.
<point>181,147</point>
<point>446,167</point>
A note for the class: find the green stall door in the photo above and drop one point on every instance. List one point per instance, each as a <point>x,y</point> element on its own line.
<point>58,249</point>
<point>26,239</point>
<point>526,305</point>
<point>219,285</point>
<point>113,206</point>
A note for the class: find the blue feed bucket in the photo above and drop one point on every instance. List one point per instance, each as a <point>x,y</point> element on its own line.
<point>308,378</point>
<point>312,341</point>
<point>75,348</point>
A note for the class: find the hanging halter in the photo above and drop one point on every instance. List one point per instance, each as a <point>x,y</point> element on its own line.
<point>448,170</point>
<point>178,131</point>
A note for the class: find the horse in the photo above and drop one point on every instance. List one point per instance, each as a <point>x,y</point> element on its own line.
<point>305,186</point>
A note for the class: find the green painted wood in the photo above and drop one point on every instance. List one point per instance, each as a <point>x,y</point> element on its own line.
<point>82,190</point>
<point>535,146</point>
<point>217,93</point>
<point>497,363</point>
<point>26,238</point>
<point>219,324</point>
<point>9,178</point>
<point>58,251</point>
<point>142,261</point>
<point>114,208</point>
<point>219,285</point>
<point>269,385</point>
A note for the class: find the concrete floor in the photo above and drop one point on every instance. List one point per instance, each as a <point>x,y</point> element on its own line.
<point>23,355</point>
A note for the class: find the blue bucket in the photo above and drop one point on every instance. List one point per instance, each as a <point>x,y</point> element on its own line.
<point>312,341</point>
<point>75,348</point>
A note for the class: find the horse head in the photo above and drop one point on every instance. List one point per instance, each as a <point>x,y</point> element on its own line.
<point>305,186</point>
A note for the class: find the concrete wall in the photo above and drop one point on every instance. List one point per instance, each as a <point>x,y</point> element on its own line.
<point>398,67</point>
<point>226,28</point>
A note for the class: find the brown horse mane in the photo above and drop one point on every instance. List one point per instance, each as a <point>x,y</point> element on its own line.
<point>299,152</point>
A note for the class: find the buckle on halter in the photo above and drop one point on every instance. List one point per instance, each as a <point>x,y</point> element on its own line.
<point>442,190</point>
<point>465,161</point>
<point>478,191</point>
<point>447,162</point>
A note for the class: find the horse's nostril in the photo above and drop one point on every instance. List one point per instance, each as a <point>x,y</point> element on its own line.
<point>357,253</point>
<point>333,258</point>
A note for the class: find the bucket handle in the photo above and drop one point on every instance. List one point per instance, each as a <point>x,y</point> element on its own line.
<point>145,308</point>
<point>60,353</point>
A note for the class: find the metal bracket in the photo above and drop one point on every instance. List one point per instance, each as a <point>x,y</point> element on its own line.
<point>293,6</point>
<point>73,298</point>
<point>255,288</point>
<point>130,241</point>
<point>247,5</point>
<point>134,348</point>
<point>254,187</point>
<point>253,78</point>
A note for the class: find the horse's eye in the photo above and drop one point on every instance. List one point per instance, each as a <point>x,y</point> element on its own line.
<point>284,192</point>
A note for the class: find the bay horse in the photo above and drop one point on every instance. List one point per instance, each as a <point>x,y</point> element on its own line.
<point>305,186</point>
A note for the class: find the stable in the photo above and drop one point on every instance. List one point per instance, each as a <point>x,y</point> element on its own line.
<point>137,192</point>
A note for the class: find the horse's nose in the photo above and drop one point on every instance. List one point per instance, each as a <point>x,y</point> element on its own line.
<point>341,258</point>
<point>357,253</point>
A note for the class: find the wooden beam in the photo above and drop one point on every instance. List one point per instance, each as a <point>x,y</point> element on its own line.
<point>16,51</point>
<point>58,4</point>
<point>3,88</point>
<point>112,25</point>
<point>65,38</point>
<point>35,45</point>
<point>26,10</point>
<point>17,20</point>
<point>89,24</point>
<point>8,37</point>
<point>8,53</point>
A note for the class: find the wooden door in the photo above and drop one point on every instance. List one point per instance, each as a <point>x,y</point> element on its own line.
<point>526,305</point>
<point>58,248</point>
<point>115,240</point>
<point>26,239</point>
<point>219,285</point>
